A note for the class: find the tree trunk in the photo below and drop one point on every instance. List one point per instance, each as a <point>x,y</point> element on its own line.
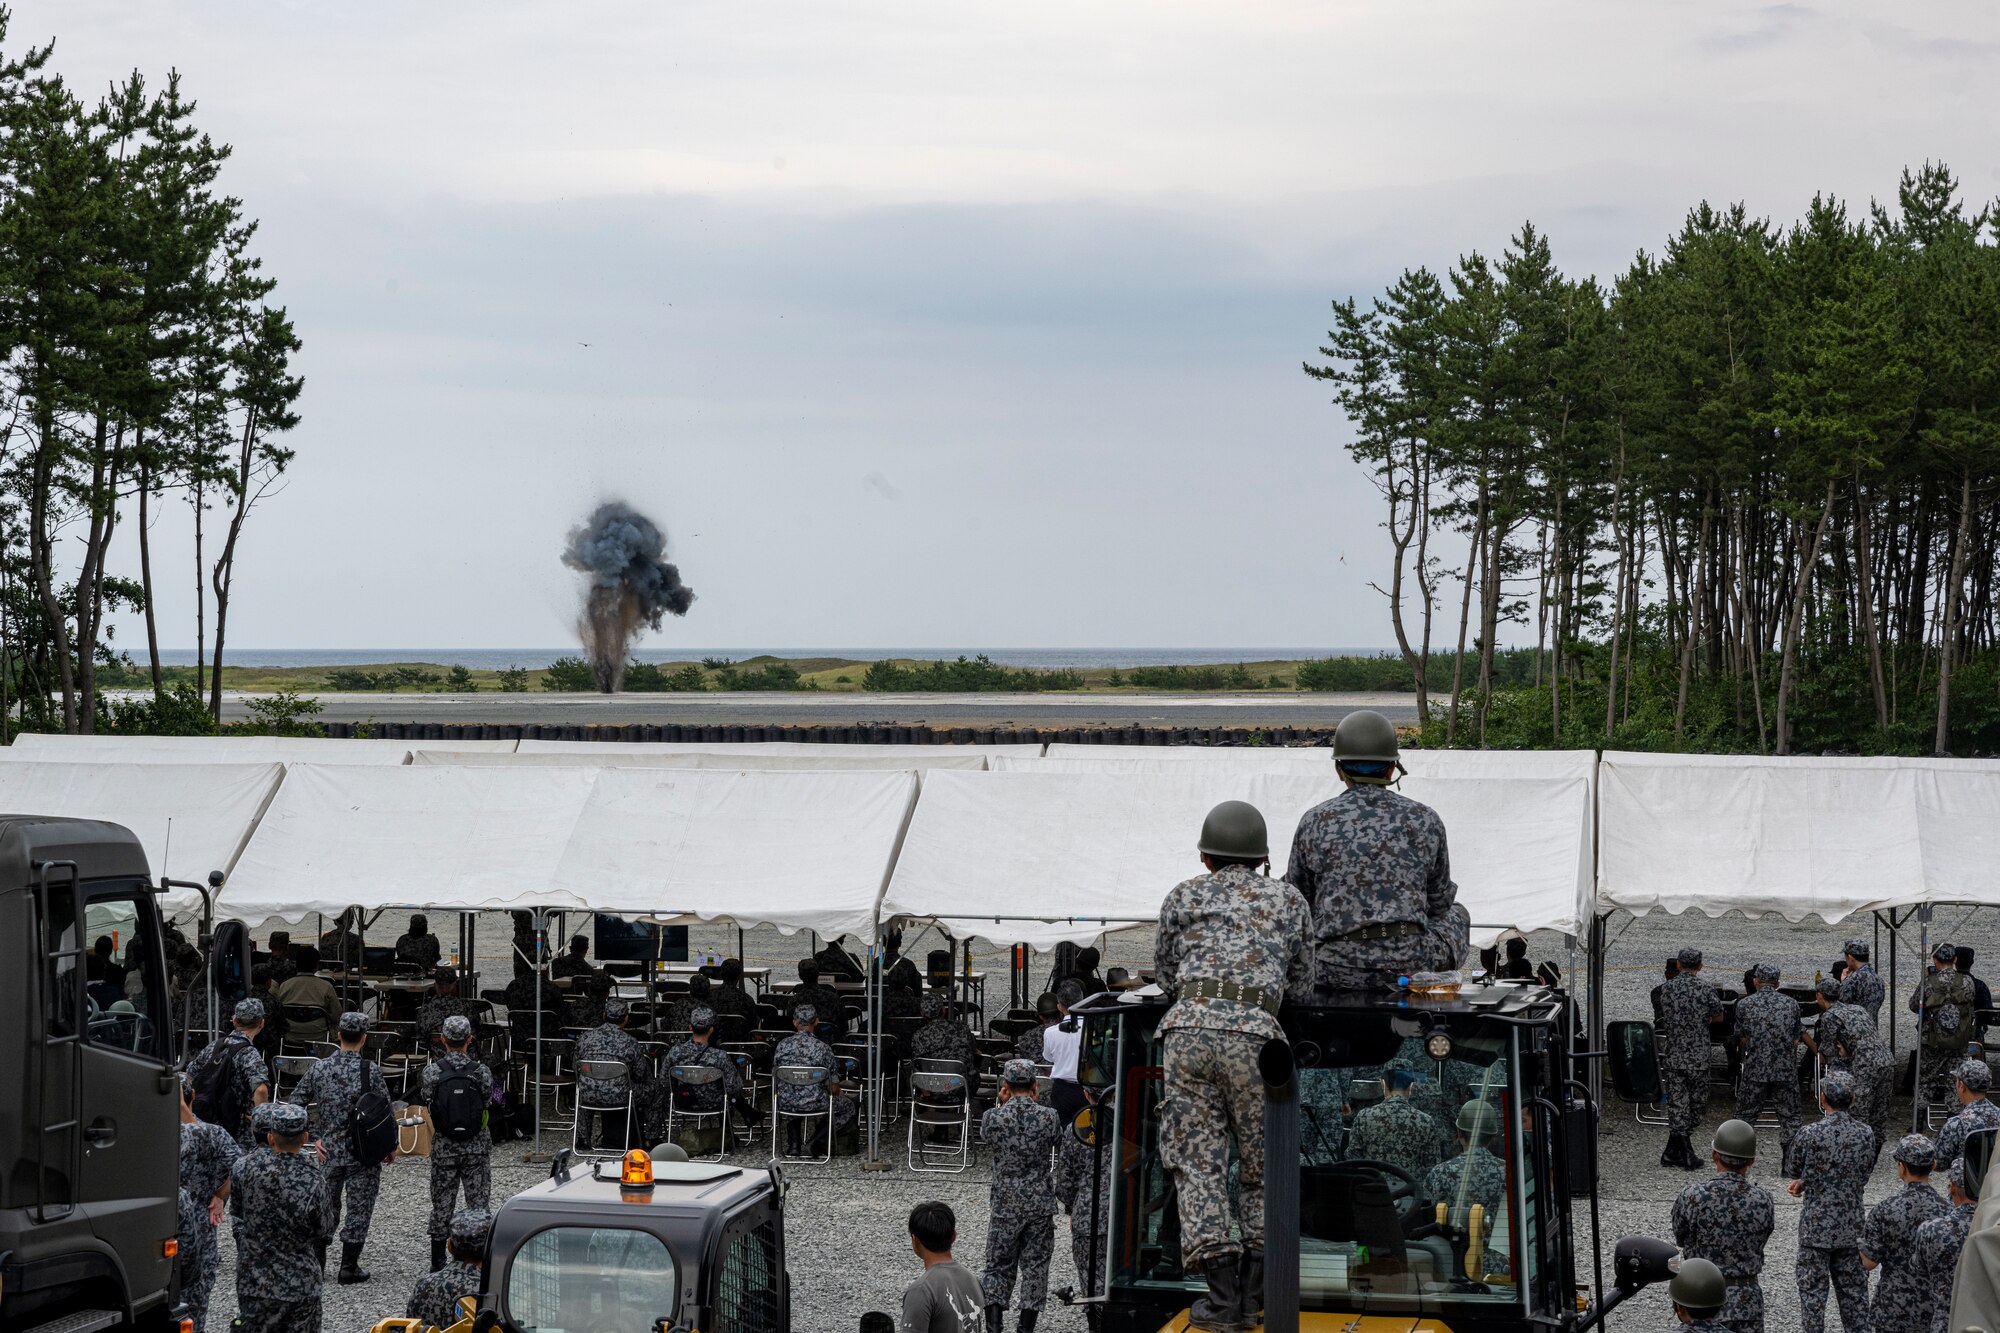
<point>1794,620</point>
<point>225,563</point>
<point>1697,605</point>
<point>1464,618</point>
<point>200,600</point>
<point>1428,592</point>
<point>146,576</point>
<point>41,559</point>
<point>1864,597</point>
<point>1400,534</point>
<point>1948,639</point>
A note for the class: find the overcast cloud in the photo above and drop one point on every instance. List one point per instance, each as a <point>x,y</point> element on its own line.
<point>935,324</point>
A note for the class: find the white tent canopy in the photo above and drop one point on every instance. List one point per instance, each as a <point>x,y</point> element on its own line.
<point>595,757</point>
<point>1208,756</point>
<point>465,838</point>
<point>809,748</point>
<point>798,850</point>
<point>228,749</point>
<point>1068,855</point>
<point>191,818</point>
<point>1800,837</point>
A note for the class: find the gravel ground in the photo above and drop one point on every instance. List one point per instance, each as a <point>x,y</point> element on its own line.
<point>848,1249</point>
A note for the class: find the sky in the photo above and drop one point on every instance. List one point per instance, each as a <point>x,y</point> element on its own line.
<point>949,324</point>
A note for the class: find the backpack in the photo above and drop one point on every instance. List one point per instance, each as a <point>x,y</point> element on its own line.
<point>216,1096</point>
<point>371,1124</point>
<point>458,1108</point>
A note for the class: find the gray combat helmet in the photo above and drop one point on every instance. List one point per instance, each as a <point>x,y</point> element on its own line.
<point>1699,1287</point>
<point>1735,1138</point>
<point>1235,829</point>
<point>1365,736</point>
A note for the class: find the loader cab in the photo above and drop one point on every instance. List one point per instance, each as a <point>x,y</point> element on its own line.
<point>1401,1212</point>
<point>90,1134</point>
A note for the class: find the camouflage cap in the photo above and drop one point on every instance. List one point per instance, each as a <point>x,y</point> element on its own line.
<point>1838,1089</point>
<point>1766,972</point>
<point>354,1023</point>
<point>1856,948</point>
<point>1917,1152</point>
<point>248,1011</point>
<point>614,1010</point>
<point>457,1027</point>
<point>936,1004</point>
<point>286,1118</point>
<point>1018,1073</point>
<point>471,1226</point>
<point>1689,957</point>
<point>1976,1075</point>
<point>260,1116</point>
<point>805,1014</point>
<point>1828,987</point>
<point>1944,953</point>
<point>702,1019</point>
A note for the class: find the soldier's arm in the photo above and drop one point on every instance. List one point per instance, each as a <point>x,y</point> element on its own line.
<point>302,1090</point>
<point>1298,868</point>
<point>1871,1237</point>
<point>1439,892</point>
<point>1299,967</point>
<point>1167,945</point>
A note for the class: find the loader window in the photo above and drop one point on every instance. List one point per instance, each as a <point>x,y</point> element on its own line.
<point>749,1295</point>
<point>592,1280</point>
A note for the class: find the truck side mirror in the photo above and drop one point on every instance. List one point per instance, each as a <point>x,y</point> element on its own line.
<point>1979,1147</point>
<point>1635,1067</point>
<point>229,960</point>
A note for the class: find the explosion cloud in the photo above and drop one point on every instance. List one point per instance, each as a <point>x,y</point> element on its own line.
<point>631,585</point>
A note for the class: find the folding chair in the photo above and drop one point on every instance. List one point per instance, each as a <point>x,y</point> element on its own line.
<point>292,1068</point>
<point>793,1076</point>
<point>551,1074</point>
<point>601,1071</point>
<point>300,1013</point>
<point>941,1098</point>
<point>682,1081</point>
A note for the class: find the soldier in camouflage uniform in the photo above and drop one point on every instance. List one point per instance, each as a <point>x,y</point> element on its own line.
<point>804,1048</point>
<point>252,1078</point>
<point>435,1300</point>
<point>1944,1000</point>
<point>283,966</point>
<point>584,1001</point>
<point>1232,947</point>
<point>1889,1240</point>
<point>1846,1039</point>
<point>825,1000</point>
<point>332,1086</point>
<point>285,1218</point>
<point>207,1154</point>
<point>457,1164</point>
<point>1687,1006</point>
<point>1396,1130</point>
<point>730,997</point>
<point>699,1049</point>
<point>1475,1175</point>
<point>418,945</point>
<point>678,1013</point>
<point>442,1004</point>
<point>1021,1231</point>
<point>1028,1046</point>
<point>943,1036</point>
<point>1971,1081</point>
<point>1768,1029</point>
<point>610,1041</point>
<point>1859,985</point>
<point>1373,867</point>
<point>1938,1245</point>
<point>1727,1220</point>
<point>1832,1157</point>
<point>1699,1293</point>
<point>1079,1195</point>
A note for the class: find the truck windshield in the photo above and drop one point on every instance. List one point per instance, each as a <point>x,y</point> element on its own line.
<point>1413,1184</point>
<point>591,1280</point>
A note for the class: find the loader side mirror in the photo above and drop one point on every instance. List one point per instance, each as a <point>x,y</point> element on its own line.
<point>1640,1261</point>
<point>1978,1156</point>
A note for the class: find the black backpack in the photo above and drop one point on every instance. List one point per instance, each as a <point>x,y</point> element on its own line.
<point>216,1096</point>
<point>458,1107</point>
<point>371,1125</point>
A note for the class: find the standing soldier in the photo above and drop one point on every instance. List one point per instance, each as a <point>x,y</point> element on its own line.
<point>334,1085</point>
<point>1232,947</point>
<point>227,1101</point>
<point>1971,1081</point>
<point>1939,1242</point>
<point>1396,1130</point>
<point>1374,870</point>
<point>1700,1294</point>
<point>437,1294</point>
<point>1088,1204</point>
<point>1727,1220</point>
<point>208,1152</point>
<point>1021,1231</point>
<point>1846,1039</point>
<point>1832,1157</point>
<point>1768,1031</point>
<point>285,1218</point>
<point>1687,1006</point>
<point>457,1089</point>
<point>1860,985</point>
<point>1888,1242</point>
<point>1947,1017</point>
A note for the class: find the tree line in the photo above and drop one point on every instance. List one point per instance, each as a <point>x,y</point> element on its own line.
<point>147,375</point>
<point>1747,494</point>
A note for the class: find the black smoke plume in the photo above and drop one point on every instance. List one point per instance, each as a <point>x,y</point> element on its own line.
<point>631,585</point>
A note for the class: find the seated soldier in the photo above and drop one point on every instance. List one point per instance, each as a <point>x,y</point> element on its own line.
<point>1475,1175</point>
<point>730,997</point>
<point>944,1036</point>
<point>418,945</point>
<point>283,965</point>
<point>824,1000</point>
<point>699,1049</point>
<point>1396,1130</point>
<point>309,988</point>
<point>610,1041</point>
<point>443,1003</point>
<point>588,986</point>
<point>1028,1046</point>
<point>679,1013</point>
<point>803,1047</point>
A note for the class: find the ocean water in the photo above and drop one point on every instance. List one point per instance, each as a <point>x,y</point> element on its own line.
<point>497,659</point>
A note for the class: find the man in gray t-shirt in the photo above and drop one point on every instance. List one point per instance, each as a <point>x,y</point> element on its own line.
<point>946,1298</point>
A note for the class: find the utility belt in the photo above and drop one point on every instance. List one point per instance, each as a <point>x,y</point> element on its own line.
<point>1232,990</point>
<point>1390,930</point>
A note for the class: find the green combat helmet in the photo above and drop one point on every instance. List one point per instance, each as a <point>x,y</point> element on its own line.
<point>1735,1139</point>
<point>1698,1288</point>
<point>1367,740</point>
<point>1477,1119</point>
<point>1235,829</point>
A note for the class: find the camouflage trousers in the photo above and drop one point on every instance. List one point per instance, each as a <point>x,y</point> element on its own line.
<point>1020,1244</point>
<point>1375,964</point>
<point>1841,1271</point>
<point>1781,1095</point>
<point>1213,1094</point>
<point>1080,1247</point>
<point>359,1185</point>
<point>452,1173</point>
<point>1935,1065</point>
<point>1687,1097</point>
<point>200,1261</point>
<point>1743,1311</point>
<point>1872,1090</point>
<point>256,1314</point>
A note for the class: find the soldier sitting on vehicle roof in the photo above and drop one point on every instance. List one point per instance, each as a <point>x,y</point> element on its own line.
<point>1373,866</point>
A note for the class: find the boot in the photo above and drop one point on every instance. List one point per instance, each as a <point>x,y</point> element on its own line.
<point>995,1315</point>
<point>351,1270</point>
<point>1689,1157</point>
<point>1027,1318</point>
<point>1671,1154</point>
<point>1250,1289</point>
<point>437,1254</point>
<point>1221,1310</point>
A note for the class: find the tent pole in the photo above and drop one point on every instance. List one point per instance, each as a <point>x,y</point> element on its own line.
<point>1596,963</point>
<point>540,918</point>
